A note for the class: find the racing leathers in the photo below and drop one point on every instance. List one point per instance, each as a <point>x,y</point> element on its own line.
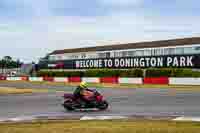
<point>79,94</point>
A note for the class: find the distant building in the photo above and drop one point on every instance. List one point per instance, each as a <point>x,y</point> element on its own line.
<point>178,53</point>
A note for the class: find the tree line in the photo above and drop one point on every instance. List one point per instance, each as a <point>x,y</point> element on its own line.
<point>9,62</point>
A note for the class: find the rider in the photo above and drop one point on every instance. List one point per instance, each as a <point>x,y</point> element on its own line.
<point>79,92</point>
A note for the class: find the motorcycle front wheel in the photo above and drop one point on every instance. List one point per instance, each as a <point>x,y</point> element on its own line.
<point>103,105</point>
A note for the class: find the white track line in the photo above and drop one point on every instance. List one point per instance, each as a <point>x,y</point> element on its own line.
<point>195,119</point>
<point>20,119</point>
<point>102,117</point>
<point>30,118</point>
<point>2,120</point>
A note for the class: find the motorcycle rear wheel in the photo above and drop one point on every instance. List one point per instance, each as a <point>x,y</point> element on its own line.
<point>68,105</point>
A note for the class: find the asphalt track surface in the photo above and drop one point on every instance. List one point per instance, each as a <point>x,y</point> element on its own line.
<point>149,102</point>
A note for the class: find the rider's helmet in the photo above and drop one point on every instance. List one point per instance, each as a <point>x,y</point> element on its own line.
<point>83,85</point>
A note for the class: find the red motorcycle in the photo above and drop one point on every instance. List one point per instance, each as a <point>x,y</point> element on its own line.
<point>71,103</point>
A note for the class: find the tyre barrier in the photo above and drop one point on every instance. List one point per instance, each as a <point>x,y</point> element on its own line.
<point>184,81</point>
<point>109,80</point>
<point>162,80</point>
<point>131,80</point>
<point>3,78</point>
<point>74,79</point>
<point>60,79</point>
<point>49,79</point>
<point>91,79</point>
<point>36,79</point>
<point>25,78</point>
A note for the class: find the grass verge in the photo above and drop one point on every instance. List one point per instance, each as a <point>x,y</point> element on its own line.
<point>6,91</point>
<point>102,127</point>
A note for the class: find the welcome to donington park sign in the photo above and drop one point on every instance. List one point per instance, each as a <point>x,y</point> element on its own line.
<point>178,61</point>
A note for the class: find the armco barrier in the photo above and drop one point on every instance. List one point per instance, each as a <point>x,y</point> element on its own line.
<point>130,80</point>
<point>91,80</point>
<point>184,81</point>
<point>112,80</point>
<point>49,79</point>
<point>161,80</point>
<point>60,79</point>
<point>74,79</point>
<point>36,79</point>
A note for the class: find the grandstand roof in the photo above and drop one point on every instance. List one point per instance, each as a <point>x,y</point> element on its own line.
<point>152,44</point>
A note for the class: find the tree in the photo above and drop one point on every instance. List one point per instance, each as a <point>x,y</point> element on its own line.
<point>18,63</point>
<point>8,62</point>
<point>7,58</point>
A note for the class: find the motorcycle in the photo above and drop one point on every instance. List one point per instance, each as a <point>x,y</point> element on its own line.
<point>71,103</point>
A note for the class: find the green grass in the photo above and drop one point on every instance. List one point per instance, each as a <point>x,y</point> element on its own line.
<point>102,127</point>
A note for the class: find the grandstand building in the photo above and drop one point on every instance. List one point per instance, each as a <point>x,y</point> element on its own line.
<point>178,53</point>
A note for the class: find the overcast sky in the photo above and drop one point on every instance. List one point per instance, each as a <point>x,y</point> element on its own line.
<point>29,29</point>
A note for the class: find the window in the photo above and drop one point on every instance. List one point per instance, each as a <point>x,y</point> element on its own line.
<point>112,54</point>
<point>107,54</point>
<point>131,53</point>
<point>56,57</point>
<point>171,51</point>
<point>153,52</point>
<point>157,52</point>
<point>83,56</point>
<point>102,55</point>
<point>91,55</point>
<point>124,54</point>
<point>197,48</point>
<point>139,53</point>
<point>192,50</point>
<point>162,51</point>
<point>62,57</point>
<point>147,52</point>
<point>74,56</point>
<point>118,54</point>
<point>188,50</point>
<point>52,58</point>
<point>179,51</point>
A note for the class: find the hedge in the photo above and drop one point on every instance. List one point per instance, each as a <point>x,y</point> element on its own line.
<point>60,74</point>
<point>151,72</point>
<point>159,72</point>
<point>167,72</point>
<point>94,73</point>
